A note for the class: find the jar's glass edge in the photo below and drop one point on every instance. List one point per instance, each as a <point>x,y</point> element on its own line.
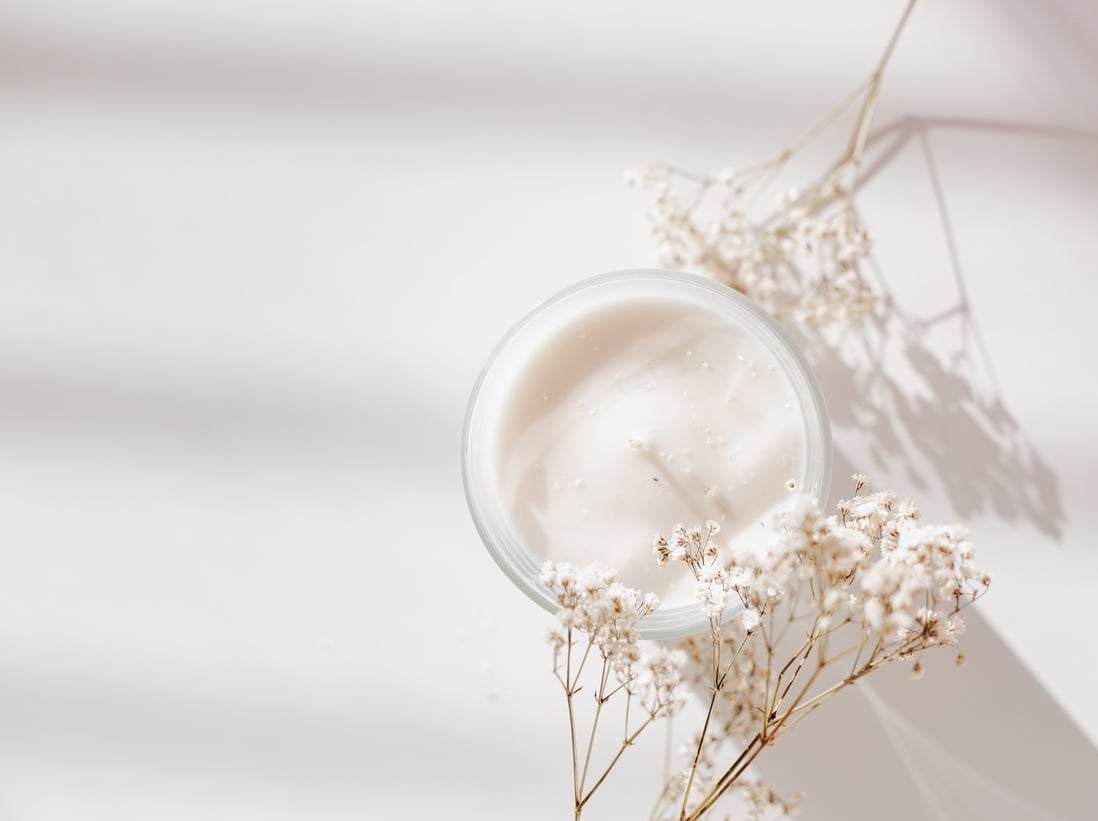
<point>682,620</point>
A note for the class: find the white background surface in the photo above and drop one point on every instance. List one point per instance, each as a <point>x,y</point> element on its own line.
<point>252,256</point>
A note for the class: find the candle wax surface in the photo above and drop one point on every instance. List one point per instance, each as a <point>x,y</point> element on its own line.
<point>634,413</point>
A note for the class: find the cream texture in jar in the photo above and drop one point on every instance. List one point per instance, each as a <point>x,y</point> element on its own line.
<point>625,404</point>
<point>632,411</point>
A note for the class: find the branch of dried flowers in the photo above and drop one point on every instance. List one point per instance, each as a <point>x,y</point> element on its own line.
<point>803,260</point>
<point>593,603</point>
<point>871,573</point>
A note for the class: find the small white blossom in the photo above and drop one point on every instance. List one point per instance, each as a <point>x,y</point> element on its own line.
<point>658,680</point>
<point>751,619</point>
<point>801,260</point>
<point>873,573</point>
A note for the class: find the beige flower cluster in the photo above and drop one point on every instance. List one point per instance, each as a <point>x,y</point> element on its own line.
<point>592,601</point>
<point>801,260</point>
<point>829,600</point>
<point>598,619</point>
<point>869,583</point>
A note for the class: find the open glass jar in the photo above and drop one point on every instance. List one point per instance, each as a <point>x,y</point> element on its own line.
<point>629,402</point>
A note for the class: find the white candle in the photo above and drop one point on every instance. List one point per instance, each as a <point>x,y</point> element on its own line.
<point>628,404</point>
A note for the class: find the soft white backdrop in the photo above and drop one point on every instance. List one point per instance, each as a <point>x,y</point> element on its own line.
<point>252,256</point>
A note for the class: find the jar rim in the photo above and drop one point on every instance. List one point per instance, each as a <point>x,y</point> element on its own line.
<point>508,550</point>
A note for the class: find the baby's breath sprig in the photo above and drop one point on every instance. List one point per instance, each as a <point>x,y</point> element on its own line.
<point>598,618</point>
<point>803,258</point>
<point>869,583</point>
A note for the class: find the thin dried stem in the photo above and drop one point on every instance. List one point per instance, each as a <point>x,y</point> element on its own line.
<point>600,700</point>
<point>569,692</point>
<point>803,260</point>
<point>715,636</point>
<point>865,118</point>
<point>624,746</point>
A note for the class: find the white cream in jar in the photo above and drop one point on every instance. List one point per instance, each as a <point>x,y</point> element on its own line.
<point>629,403</point>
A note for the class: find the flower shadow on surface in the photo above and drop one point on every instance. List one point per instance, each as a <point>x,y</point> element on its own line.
<point>916,396</point>
<point>920,393</point>
<point>987,741</point>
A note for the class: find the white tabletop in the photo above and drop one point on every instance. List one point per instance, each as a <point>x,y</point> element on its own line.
<point>252,256</point>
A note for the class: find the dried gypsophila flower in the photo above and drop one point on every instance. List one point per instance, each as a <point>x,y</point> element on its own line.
<point>896,584</point>
<point>696,548</point>
<point>802,260</point>
<point>591,600</point>
<point>597,612</point>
